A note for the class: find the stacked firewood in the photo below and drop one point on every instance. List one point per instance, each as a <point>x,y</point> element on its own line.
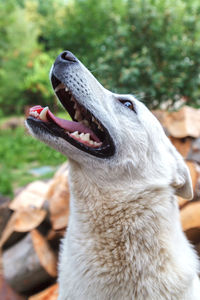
<point>183,129</point>
<point>36,221</point>
<point>32,225</point>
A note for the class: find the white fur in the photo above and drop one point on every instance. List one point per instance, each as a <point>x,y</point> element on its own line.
<point>124,240</point>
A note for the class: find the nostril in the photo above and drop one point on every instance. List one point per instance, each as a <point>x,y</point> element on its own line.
<point>67,55</point>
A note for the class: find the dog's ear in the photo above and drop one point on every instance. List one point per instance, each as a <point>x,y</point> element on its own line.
<point>182,180</point>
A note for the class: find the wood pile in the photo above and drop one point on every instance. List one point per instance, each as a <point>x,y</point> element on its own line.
<point>183,129</point>
<point>31,227</point>
<point>32,224</point>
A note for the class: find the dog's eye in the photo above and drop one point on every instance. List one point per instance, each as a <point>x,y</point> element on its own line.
<point>128,104</point>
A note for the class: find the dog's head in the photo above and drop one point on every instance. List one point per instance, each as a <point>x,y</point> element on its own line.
<point>109,133</point>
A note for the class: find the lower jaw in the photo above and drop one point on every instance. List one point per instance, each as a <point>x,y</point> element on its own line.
<point>105,151</point>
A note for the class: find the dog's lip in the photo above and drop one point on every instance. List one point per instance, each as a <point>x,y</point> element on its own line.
<point>105,151</point>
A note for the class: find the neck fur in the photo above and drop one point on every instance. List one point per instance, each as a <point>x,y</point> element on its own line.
<point>126,237</point>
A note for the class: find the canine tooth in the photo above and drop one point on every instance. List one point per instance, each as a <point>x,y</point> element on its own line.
<point>94,120</point>
<point>75,133</point>
<point>84,137</point>
<point>43,114</point>
<point>59,87</point>
<point>87,137</point>
<point>97,144</point>
<point>77,115</point>
<point>66,89</point>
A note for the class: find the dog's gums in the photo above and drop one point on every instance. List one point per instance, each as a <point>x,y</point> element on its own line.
<point>84,131</point>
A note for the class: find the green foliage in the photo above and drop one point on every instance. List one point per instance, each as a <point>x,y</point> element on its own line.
<point>19,153</point>
<point>22,61</point>
<point>148,47</point>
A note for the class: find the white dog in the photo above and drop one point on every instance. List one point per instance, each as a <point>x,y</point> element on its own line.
<point>124,239</point>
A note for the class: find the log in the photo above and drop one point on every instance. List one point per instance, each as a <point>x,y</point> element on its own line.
<point>29,219</point>
<point>21,221</point>
<point>29,263</point>
<point>197,247</point>
<point>58,197</point>
<point>5,212</point>
<point>7,293</point>
<point>33,195</point>
<point>190,216</point>
<point>194,153</point>
<point>195,175</point>
<point>193,235</point>
<point>54,237</point>
<point>183,145</point>
<point>182,123</point>
<point>50,293</point>
<point>181,201</point>
<point>9,236</point>
<point>46,256</point>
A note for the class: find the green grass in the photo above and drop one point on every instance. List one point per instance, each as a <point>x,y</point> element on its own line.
<point>19,152</point>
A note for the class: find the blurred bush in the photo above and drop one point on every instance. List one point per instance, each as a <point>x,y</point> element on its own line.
<point>148,47</point>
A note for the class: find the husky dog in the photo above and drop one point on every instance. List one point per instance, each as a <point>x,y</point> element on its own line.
<point>124,240</point>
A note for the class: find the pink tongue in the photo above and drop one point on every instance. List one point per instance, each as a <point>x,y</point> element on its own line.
<point>68,125</point>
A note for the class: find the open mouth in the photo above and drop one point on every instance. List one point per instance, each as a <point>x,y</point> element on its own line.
<point>85,131</point>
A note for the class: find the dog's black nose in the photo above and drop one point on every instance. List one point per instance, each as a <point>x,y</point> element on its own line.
<point>66,57</point>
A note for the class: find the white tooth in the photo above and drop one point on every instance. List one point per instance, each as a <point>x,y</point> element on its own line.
<point>83,137</point>
<point>60,86</point>
<point>43,114</point>
<point>97,144</point>
<point>95,121</point>
<point>75,133</point>
<point>77,115</point>
<point>66,89</point>
<point>87,137</point>
<point>91,142</point>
